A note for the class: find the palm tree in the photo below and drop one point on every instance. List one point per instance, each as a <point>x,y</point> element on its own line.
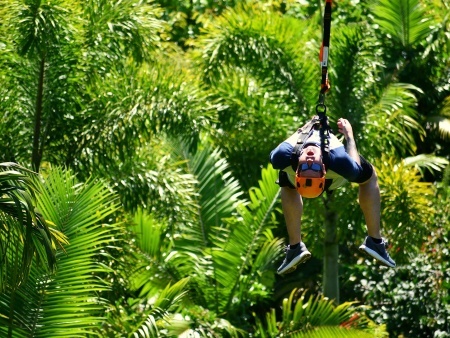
<point>107,94</point>
<point>57,53</point>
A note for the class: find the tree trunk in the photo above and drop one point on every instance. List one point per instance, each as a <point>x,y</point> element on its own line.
<point>37,146</point>
<point>331,253</point>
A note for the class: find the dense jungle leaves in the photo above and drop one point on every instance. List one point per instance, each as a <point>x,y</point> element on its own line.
<point>25,233</point>
<point>165,220</point>
<point>64,303</point>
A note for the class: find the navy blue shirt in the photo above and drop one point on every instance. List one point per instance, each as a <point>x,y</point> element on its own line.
<point>340,167</point>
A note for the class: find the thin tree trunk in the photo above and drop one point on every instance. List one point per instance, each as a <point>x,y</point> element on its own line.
<point>37,146</point>
<point>331,254</point>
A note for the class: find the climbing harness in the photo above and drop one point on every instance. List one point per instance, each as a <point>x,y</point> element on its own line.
<point>312,187</point>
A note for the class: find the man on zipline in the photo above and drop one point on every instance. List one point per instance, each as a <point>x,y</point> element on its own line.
<point>308,168</point>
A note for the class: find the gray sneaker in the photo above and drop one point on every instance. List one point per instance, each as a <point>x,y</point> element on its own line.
<point>377,251</point>
<point>293,258</point>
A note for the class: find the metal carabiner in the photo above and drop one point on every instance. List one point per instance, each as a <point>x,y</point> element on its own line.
<point>321,109</point>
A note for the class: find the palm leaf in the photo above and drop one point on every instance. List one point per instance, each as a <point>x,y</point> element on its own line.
<point>394,119</point>
<point>237,256</point>
<point>148,329</point>
<point>424,161</point>
<point>316,316</point>
<point>22,225</point>
<point>334,332</point>
<point>218,193</point>
<point>215,198</point>
<point>155,255</point>
<point>166,300</point>
<point>212,197</point>
<point>66,304</point>
<point>141,103</point>
<point>121,28</point>
<point>149,233</point>
<point>41,26</point>
<point>263,42</point>
<point>405,20</point>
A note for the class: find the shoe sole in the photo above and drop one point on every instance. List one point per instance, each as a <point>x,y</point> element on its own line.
<point>293,264</point>
<point>364,249</point>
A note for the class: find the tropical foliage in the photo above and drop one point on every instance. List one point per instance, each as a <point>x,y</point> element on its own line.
<point>64,303</point>
<point>25,233</point>
<point>316,316</point>
<point>136,198</point>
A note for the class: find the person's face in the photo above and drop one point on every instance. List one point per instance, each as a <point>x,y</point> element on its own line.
<point>311,155</point>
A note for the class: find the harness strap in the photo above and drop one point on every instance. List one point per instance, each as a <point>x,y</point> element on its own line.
<point>304,133</point>
<point>318,122</point>
<point>324,136</point>
<point>323,55</point>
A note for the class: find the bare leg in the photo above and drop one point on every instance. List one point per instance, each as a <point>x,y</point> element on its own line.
<point>370,203</point>
<point>292,205</point>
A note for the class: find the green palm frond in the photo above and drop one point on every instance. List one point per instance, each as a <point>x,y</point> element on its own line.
<point>139,104</point>
<point>148,329</point>
<point>219,192</point>
<point>263,42</point>
<point>335,332</point>
<point>405,20</point>
<point>66,303</point>
<point>149,233</point>
<point>42,27</point>
<point>314,311</point>
<point>394,120</point>
<point>235,261</point>
<point>214,198</point>
<point>316,316</point>
<point>151,239</point>
<point>122,28</point>
<point>23,226</point>
<point>357,64</point>
<point>159,314</point>
<point>425,161</point>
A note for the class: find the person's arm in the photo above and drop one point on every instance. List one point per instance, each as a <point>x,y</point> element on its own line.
<point>346,129</point>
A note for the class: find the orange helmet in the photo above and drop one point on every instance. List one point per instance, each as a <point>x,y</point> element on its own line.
<point>310,187</point>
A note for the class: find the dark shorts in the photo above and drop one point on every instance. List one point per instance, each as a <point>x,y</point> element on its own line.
<point>364,176</point>
<point>366,173</point>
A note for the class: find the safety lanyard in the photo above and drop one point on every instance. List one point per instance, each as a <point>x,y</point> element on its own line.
<point>323,55</point>
<point>321,108</point>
